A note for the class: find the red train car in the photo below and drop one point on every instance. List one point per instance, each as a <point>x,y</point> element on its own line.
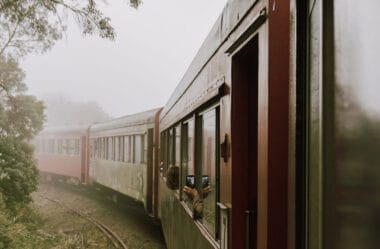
<point>227,121</point>
<point>61,152</point>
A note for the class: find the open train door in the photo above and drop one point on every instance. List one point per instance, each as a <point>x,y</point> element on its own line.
<point>249,137</point>
<point>259,131</point>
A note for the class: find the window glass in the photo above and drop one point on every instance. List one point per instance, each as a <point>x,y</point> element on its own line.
<point>110,148</point>
<point>101,149</point>
<point>170,147</point>
<point>132,148</point>
<point>145,146</point>
<point>209,156</point>
<point>127,149</point>
<point>137,149</point>
<point>76,146</point>
<point>116,149</point>
<point>187,155</point>
<point>177,149</point>
<point>51,146</point>
<point>121,149</point>
<point>352,182</point>
<point>60,145</point>
<point>70,143</point>
<point>163,159</point>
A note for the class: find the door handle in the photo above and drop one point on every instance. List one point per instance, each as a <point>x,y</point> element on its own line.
<point>248,225</point>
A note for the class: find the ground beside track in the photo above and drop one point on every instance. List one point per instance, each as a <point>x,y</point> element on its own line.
<point>128,219</point>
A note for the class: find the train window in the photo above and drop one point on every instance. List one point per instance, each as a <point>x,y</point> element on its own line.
<point>145,155</point>
<point>210,158</point>
<point>137,149</point>
<point>127,149</point>
<point>170,148</point>
<point>110,148</point>
<point>102,148</point>
<point>177,149</point>
<point>60,145</point>
<point>132,149</point>
<point>121,149</point>
<point>145,148</point>
<point>56,146</point>
<point>163,153</point>
<point>116,148</point>
<point>76,146</point>
<point>51,146</point>
<point>187,155</point>
<point>70,146</point>
<point>351,130</point>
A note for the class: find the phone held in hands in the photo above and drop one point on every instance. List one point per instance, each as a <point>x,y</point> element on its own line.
<point>190,181</point>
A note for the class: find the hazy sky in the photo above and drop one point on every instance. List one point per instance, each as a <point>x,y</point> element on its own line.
<point>154,46</point>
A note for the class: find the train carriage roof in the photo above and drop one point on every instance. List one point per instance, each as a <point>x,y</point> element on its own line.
<point>66,130</point>
<point>233,13</point>
<point>141,118</point>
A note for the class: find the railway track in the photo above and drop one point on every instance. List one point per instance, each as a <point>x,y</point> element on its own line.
<point>111,235</point>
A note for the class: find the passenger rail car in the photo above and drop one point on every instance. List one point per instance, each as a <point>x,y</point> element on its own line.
<point>278,111</point>
<point>61,152</point>
<point>122,156</point>
<point>228,120</point>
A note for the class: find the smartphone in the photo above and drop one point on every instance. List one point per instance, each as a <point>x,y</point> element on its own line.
<point>205,182</point>
<point>190,181</point>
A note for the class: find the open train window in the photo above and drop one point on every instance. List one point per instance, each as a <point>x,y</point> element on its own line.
<point>110,148</point>
<point>187,167</point>
<point>138,149</point>
<point>117,147</point>
<point>76,147</point>
<point>208,175</point>
<point>121,149</point>
<point>145,146</point>
<point>51,146</point>
<point>170,147</point>
<point>163,153</point>
<point>127,149</point>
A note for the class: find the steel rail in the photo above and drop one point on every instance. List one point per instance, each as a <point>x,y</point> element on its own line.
<point>111,235</point>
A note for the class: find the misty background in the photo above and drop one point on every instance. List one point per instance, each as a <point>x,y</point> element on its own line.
<point>88,79</point>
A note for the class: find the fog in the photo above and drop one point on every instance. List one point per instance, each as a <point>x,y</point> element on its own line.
<point>139,70</point>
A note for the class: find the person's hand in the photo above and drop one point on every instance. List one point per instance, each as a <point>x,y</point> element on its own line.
<point>191,192</point>
<point>206,190</point>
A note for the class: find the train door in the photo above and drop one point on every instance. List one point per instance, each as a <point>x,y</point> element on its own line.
<point>150,159</point>
<point>244,132</point>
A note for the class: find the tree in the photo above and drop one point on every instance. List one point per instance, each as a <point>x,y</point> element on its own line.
<point>35,25</point>
<point>21,118</point>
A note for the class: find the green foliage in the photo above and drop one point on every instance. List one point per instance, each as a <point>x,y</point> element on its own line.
<point>35,25</point>
<point>21,115</point>
<point>18,172</point>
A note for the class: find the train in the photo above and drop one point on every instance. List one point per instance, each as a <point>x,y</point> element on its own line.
<point>278,112</point>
